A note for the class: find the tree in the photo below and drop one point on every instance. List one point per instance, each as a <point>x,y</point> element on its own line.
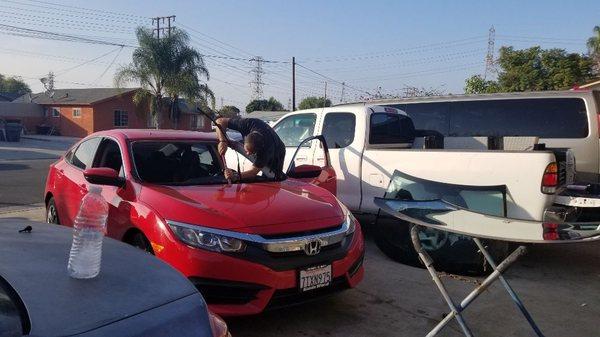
<point>593,44</point>
<point>535,69</point>
<point>264,105</point>
<point>13,85</point>
<point>477,85</point>
<point>166,69</point>
<point>314,102</point>
<point>229,111</point>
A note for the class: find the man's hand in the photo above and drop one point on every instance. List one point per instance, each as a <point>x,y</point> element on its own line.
<point>230,175</point>
<point>222,147</point>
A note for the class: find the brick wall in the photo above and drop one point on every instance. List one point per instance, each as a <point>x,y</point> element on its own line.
<point>101,116</point>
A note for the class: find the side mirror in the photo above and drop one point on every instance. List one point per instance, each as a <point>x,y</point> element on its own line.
<point>305,171</point>
<point>103,176</point>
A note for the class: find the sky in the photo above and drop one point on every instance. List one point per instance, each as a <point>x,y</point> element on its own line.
<point>346,49</point>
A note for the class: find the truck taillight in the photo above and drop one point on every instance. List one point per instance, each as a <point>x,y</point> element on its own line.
<point>550,231</point>
<point>550,179</point>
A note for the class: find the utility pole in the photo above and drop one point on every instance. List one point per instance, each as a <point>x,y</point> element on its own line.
<point>221,102</point>
<point>162,19</point>
<point>293,84</point>
<point>343,87</point>
<point>257,82</point>
<point>325,92</point>
<point>490,64</point>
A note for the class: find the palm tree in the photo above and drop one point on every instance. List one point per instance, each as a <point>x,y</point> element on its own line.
<point>593,44</point>
<point>166,69</point>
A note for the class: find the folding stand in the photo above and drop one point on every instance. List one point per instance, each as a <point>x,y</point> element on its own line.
<point>456,310</point>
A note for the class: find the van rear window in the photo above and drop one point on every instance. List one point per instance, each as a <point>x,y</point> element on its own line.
<point>537,117</point>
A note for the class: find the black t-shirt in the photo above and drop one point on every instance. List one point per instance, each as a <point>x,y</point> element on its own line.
<point>273,152</point>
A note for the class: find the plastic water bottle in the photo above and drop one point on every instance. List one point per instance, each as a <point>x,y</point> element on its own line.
<point>88,231</point>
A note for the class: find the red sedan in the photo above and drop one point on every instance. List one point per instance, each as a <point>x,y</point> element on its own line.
<point>247,247</point>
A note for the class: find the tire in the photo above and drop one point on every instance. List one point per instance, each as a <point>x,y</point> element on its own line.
<point>52,212</point>
<point>139,240</point>
<point>451,253</point>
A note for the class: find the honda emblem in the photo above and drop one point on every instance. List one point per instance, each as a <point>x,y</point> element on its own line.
<point>312,247</point>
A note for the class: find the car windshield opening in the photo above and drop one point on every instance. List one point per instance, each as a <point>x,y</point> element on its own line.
<point>178,163</point>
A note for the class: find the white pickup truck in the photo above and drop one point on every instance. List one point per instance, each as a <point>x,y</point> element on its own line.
<point>369,142</point>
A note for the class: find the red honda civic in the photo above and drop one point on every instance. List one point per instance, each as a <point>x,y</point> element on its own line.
<point>248,246</point>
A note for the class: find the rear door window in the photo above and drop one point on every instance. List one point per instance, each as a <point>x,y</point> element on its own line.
<point>84,155</point>
<point>391,128</point>
<point>294,129</point>
<point>338,129</point>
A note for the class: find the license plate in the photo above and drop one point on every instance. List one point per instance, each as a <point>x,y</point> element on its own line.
<point>315,277</point>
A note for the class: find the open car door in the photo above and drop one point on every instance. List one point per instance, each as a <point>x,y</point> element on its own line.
<point>323,176</point>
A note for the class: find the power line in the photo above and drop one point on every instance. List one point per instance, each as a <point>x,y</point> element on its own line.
<point>27,32</point>
<point>331,79</point>
<point>89,9</point>
<point>64,71</point>
<point>108,67</point>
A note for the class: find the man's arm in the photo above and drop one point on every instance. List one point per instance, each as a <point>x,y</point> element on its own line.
<point>251,173</point>
<point>223,123</point>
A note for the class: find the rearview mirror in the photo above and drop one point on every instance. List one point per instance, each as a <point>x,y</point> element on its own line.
<point>305,171</point>
<point>103,176</point>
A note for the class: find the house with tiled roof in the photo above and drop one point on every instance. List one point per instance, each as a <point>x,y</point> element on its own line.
<point>80,112</point>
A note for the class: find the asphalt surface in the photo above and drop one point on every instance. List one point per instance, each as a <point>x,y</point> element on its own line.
<point>559,284</point>
<point>24,167</point>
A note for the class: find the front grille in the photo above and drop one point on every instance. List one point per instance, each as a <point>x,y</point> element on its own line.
<point>226,292</point>
<point>293,296</point>
<point>294,260</point>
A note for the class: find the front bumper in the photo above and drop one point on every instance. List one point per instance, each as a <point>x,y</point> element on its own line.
<point>250,282</point>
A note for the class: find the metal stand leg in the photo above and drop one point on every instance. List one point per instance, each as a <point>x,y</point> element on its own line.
<point>456,310</point>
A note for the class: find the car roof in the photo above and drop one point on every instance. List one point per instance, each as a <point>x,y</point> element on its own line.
<point>130,281</point>
<point>139,134</point>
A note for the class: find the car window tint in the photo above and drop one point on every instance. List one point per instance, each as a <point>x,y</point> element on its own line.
<point>531,117</point>
<point>545,118</point>
<point>428,117</point>
<point>391,128</point>
<point>84,155</point>
<point>177,163</point>
<point>338,129</point>
<point>109,155</point>
<point>294,129</point>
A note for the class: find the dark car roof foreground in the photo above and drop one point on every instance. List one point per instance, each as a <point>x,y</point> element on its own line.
<point>134,295</point>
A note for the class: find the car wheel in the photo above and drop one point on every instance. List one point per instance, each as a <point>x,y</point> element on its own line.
<point>451,253</point>
<point>140,241</point>
<point>52,212</point>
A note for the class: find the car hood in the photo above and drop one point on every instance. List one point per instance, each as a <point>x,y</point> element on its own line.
<point>35,265</point>
<point>258,207</point>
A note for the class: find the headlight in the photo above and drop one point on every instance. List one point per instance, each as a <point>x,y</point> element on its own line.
<point>350,220</point>
<point>206,239</point>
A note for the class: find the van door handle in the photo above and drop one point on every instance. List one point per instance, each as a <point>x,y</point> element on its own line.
<point>321,159</point>
<point>301,158</point>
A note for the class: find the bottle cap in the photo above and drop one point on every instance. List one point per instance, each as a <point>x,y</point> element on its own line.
<point>95,189</point>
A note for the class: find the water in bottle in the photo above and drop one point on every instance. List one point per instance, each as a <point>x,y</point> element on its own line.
<point>88,231</point>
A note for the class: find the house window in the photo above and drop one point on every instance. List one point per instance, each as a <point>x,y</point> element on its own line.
<point>121,119</point>
<point>55,112</point>
<point>76,112</point>
<point>196,122</point>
